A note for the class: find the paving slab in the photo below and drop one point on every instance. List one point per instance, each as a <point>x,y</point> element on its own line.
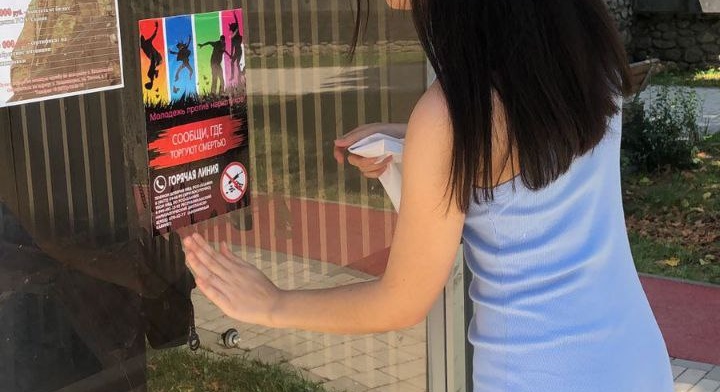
<point>710,105</point>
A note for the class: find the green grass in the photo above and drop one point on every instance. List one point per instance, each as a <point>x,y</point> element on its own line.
<point>650,257</point>
<point>307,60</point>
<point>180,370</point>
<point>674,217</point>
<point>671,214</point>
<point>288,181</point>
<point>285,147</point>
<point>709,77</point>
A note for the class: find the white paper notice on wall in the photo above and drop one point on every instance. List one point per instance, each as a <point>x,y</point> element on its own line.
<point>55,49</point>
<point>381,146</point>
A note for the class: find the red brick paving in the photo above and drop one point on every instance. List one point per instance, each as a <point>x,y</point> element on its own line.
<point>689,317</point>
<point>688,314</point>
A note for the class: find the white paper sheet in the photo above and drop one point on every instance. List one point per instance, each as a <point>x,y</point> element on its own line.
<point>381,146</point>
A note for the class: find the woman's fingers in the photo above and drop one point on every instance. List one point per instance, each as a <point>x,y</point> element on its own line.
<point>226,262</point>
<point>340,150</point>
<point>214,294</point>
<point>339,154</point>
<point>375,174</point>
<point>225,251</point>
<point>207,263</point>
<point>197,268</point>
<point>238,288</point>
<point>370,166</point>
<point>202,270</point>
<point>341,145</point>
<point>356,135</point>
<point>350,138</point>
<point>205,254</point>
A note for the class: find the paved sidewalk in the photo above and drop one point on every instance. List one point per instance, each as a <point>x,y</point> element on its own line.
<point>687,315</point>
<point>392,362</point>
<point>710,99</point>
<point>389,362</point>
<point>695,376</point>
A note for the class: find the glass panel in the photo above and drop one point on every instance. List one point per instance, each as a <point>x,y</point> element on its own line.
<point>314,223</point>
<point>89,301</point>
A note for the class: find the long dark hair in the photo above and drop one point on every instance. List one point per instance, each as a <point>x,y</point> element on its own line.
<point>557,66</point>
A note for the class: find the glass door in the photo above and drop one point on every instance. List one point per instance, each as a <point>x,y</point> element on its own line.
<point>90,300</point>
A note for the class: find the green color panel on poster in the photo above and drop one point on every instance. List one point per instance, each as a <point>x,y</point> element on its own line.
<point>207,29</point>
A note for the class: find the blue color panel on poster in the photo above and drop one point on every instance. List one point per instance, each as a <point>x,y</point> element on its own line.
<point>181,57</point>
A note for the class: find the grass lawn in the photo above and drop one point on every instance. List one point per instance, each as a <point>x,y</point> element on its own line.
<point>674,218</point>
<point>180,370</point>
<point>308,60</point>
<point>709,77</point>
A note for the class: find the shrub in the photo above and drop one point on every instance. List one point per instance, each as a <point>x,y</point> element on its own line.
<point>664,131</point>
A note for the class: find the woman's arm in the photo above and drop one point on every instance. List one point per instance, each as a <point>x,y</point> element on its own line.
<point>423,250</point>
<point>425,243</point>
<point>154,34</point>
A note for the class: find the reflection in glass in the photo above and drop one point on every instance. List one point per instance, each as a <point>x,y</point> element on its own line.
<point>84,292</point>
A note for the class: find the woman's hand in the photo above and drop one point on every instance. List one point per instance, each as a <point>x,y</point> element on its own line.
<point>239,289</point>
<point>369,167</point>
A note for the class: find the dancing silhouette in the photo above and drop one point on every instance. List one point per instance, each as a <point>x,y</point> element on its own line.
<point>236,50</point>
<point>153,55</point>
<point>182,55</point>
<point>219,50</point>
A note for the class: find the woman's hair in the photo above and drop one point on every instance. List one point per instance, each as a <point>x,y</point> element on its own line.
<point>557,66</point>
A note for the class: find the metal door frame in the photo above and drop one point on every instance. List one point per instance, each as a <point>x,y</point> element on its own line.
<point>449,366</point>
<point>449,353</point>
<point>7,162</point>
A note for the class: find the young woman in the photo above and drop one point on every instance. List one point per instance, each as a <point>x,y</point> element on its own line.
<point>515,149</point>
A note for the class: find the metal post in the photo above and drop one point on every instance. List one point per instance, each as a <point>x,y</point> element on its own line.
<point>449,352</point>
<point>446,332</point>
<point>8,193</point>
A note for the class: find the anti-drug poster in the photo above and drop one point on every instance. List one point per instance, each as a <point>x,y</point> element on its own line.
<point>193,83</point>
<point>58,48</point>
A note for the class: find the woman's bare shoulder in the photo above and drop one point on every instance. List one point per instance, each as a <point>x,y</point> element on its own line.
<point>430,119</point>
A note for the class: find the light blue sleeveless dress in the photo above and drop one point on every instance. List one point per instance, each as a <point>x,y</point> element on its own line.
<point>558,303</point>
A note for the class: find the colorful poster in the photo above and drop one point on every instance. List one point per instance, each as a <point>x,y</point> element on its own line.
<point>58,48</point>
<point>193,82</point>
